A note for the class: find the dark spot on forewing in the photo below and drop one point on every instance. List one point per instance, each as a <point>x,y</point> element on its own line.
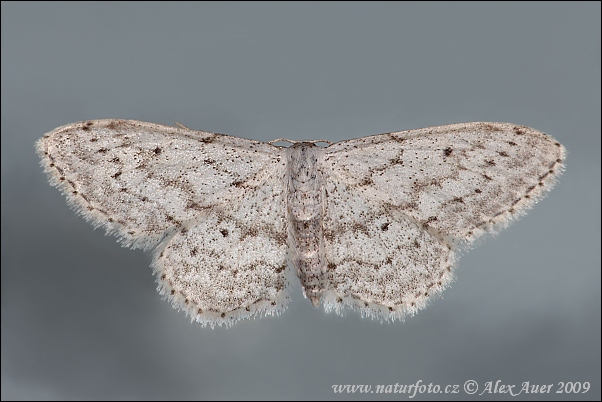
<point>238,184</point>
<point>367,181</point>
<point>544,175</point>
<point>429,220</point>
<point>396,161</point>
<point>114,124</point>
<point>86,126</point>
<point>396,138</point>
<point>208,140</point>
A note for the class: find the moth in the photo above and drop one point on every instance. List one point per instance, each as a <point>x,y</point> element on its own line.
<point>372,224</point>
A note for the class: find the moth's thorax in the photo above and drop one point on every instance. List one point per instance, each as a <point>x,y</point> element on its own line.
<point>305,210</point>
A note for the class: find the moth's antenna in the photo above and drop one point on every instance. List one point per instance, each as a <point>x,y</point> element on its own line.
<point>182,126</point>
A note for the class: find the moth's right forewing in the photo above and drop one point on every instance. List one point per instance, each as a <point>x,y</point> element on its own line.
<point>139,180</point>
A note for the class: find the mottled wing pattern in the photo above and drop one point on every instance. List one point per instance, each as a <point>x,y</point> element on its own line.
<point>461,180</point>
<point>380,262</point>
<point>411,198</point>
<point>190,194</point>
<point>223,268</point>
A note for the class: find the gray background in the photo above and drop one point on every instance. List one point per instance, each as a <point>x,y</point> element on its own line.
<point>80,314</point>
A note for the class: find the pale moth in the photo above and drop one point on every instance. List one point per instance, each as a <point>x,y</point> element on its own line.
<point>372,224</point>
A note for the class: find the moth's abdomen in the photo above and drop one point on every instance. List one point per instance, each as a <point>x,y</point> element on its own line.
<point>304,207</point>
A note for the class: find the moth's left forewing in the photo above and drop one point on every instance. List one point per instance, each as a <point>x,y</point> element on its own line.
<point>461,180</point>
